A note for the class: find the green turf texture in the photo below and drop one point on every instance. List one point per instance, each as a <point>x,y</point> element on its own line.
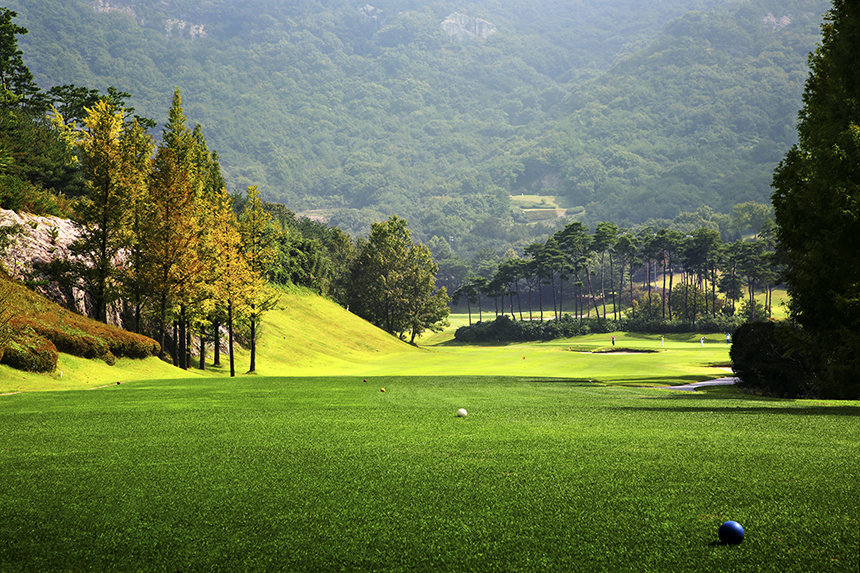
<point>330,474</point>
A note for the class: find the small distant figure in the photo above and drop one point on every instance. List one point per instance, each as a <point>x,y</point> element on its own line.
<point>728,338</point>
<point>703,341</point>
<point>613,341</point>
<point>661,341</point>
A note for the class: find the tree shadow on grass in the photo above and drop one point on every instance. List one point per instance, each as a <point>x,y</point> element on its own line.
<point>768,406</point>
<point>492,344</point>
<point>563,381</point>
<point>663,381</point>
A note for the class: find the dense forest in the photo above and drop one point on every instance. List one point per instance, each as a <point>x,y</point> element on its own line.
<point>621,110</point>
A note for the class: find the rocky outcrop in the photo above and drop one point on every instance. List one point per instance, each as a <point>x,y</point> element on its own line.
<point>466,28</point>
<point>776,23</point>
<point>35,242</point>
<point>179,27</point>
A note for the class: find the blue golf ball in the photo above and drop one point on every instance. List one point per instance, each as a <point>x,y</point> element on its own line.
<point>731,533</point>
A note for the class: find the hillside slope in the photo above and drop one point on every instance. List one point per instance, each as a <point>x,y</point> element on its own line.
<point>358,112</point>
<point>306,334</point>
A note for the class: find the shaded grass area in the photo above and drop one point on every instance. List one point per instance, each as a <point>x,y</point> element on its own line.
<point>328,473</point>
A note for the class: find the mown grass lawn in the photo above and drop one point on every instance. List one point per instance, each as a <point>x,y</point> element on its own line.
<point>330,474</point>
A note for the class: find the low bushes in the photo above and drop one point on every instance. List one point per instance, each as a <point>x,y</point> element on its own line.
<point>506,329</point>
<point>32,353</point>
<point>40,329</point>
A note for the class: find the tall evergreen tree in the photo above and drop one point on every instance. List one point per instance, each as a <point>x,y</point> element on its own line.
<point>817,206</point>
<point>17,88</point>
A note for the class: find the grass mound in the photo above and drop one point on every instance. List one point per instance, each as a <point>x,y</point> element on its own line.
<point>37,329</point>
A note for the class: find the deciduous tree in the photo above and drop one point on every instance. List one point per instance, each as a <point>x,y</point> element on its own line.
<point>115,161</point>
<point>392,278</point>
<point>258,238</point>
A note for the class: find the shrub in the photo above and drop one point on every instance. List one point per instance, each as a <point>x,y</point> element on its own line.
<point>73,341</point>
<point>505,329</point>
<point>31,353</point>
<point>765,358</point>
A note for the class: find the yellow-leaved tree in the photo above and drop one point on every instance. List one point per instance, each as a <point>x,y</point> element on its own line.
<point>232,280</point>
<point>115,159</point>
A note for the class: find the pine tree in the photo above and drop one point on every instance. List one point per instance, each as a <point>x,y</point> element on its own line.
<point>817,206</point>
<point>17,88</point>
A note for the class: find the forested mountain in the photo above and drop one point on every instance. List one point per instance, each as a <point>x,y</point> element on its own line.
<point>630,109</point>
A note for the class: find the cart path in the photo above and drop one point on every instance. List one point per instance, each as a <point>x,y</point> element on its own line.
<point>692,387</point>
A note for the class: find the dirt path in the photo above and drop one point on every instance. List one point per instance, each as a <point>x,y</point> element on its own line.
<point>692,387</point>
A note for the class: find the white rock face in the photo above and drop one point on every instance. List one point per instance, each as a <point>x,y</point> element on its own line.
<point>465,27</point>
<point>40,241</point>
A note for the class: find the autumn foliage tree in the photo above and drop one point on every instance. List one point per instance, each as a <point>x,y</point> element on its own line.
<point>229,274</point>
<point>115,161</point>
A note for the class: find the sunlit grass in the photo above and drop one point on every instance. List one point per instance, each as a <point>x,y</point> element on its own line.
<point>329,473</point>
<point>567,461</point>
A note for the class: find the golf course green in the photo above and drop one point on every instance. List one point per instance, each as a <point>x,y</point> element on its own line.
<point>571,458</point>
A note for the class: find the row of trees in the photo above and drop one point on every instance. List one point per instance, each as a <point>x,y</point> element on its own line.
<point>164,245</point>
<point>158,232</point>
<point>601,271</point>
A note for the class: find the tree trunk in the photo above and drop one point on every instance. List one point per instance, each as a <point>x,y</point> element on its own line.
<point>603,283</point>
<point>181,340</point>
<point>173,348</point>
<point>162,326</point>
<point>253,367</point>
<point>216,331</point>
<point>540,299</point>
<point>188,344</point>
<point>591,290</point>
<point>202,347</point>
<point>663,294</point>
<point>612,287</point>
<point>648,278</point>
<point>632,306</point>
<point>230,337</point>
<point>671,279</point>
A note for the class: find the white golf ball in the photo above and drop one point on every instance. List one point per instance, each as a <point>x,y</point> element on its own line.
<point>462,412</point>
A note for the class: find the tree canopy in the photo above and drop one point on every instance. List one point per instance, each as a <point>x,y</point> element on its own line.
<point>817,207</point>
<point>624,110</point>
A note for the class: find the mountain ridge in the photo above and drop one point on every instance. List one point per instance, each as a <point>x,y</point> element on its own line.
<point>327,108</point>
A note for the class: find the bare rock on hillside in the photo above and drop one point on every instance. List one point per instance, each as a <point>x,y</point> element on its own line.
<point>466,28</point>
<point>38,242</point>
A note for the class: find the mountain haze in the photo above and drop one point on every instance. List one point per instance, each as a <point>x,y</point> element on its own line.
<point>357,110</point>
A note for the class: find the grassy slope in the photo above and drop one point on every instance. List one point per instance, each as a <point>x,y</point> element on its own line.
<point>305,335</point>
<point>308,335</point>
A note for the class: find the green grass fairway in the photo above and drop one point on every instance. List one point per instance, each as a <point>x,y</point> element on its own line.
<point>330,474</point>
<point>571,459</point>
